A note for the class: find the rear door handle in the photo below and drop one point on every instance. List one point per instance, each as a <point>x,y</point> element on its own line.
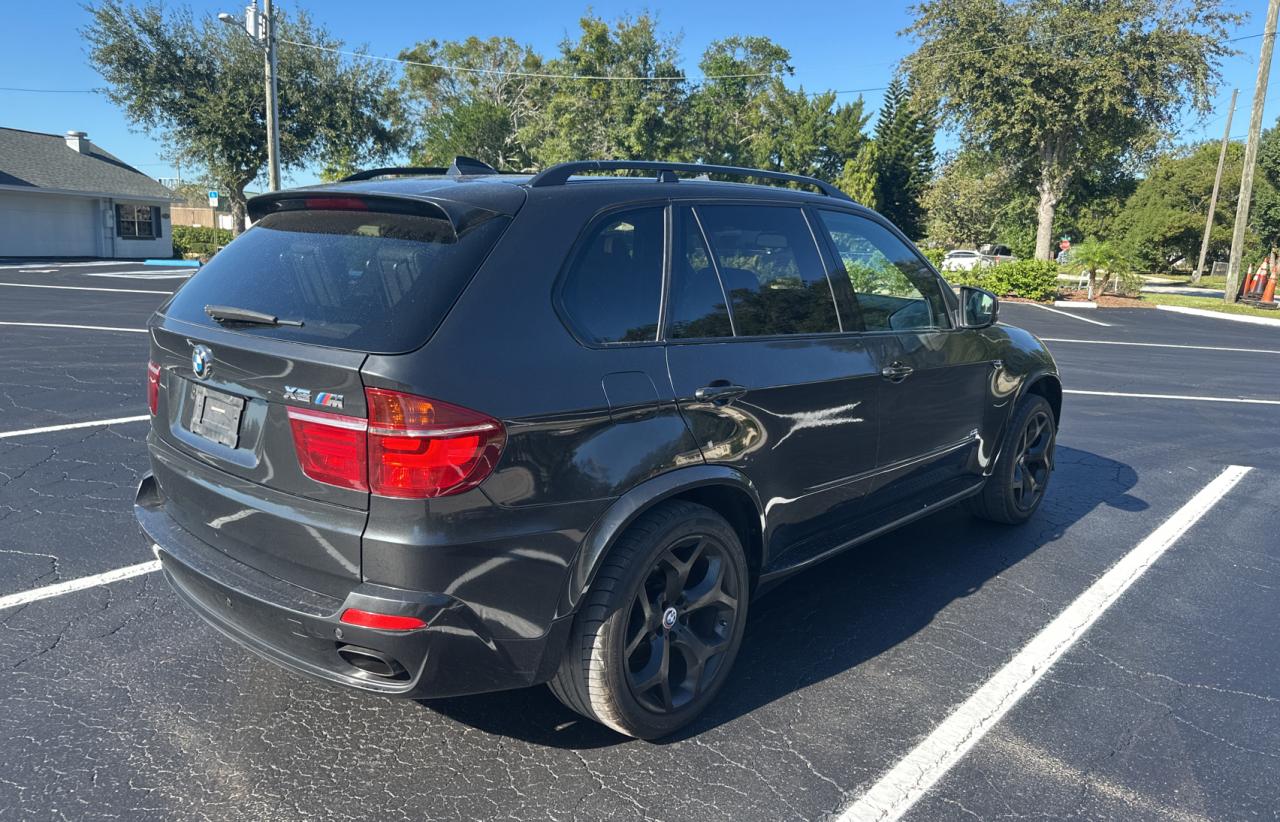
<point>896,372</point>
<point>719,392</point>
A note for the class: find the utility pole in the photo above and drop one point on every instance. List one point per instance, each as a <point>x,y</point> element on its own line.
<point>273,106</point>
<point>1251,151</point>
<point>1217,182</point>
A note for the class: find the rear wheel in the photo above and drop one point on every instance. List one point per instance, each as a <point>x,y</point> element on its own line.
<point>661,625</point>
<point>1018,482</point>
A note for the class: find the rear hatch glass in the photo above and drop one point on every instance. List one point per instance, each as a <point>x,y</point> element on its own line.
<point>355,279</point>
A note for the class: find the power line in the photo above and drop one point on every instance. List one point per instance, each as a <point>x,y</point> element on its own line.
<point>529,74</point>
<point>52,90</point>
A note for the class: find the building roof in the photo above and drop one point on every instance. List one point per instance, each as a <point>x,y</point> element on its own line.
<point>36,160</point>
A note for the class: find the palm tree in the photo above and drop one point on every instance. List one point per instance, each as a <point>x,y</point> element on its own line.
<point>1094,257</point>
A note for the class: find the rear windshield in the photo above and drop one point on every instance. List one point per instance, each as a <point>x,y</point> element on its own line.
<point>361,280</point>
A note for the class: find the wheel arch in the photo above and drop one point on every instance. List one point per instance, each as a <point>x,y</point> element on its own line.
<point>725,490</point>
<point>1048,386</point>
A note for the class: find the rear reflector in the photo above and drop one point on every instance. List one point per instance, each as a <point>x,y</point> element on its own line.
<point>153,387</point>
<point>421,448</point>
<point>331,448</point>
<point>384,622</point>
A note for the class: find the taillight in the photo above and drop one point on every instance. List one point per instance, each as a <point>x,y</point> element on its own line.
<point>153,387</point>
<point>410,447</point>
<point>331,447</point>
<point>421,448</point>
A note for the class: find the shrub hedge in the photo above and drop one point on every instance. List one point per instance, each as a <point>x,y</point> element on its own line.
<point>1031,279</point>
<point>198,239</point>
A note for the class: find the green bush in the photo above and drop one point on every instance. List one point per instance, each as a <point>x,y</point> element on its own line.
<point>198,239</point>
<point>1031,279</point>
<point>934,255</point>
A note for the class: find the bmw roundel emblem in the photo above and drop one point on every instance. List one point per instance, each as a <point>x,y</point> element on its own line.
<point>201,361</point>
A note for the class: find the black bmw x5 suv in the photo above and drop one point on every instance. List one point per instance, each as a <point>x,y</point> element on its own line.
<point>454,431</point>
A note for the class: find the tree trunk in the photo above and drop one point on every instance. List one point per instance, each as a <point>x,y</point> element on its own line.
<point>237,199</point>
<point>1053,182</point>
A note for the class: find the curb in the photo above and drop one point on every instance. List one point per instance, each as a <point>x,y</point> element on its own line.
<point>174,263</point>
<point>1074,304</point>
<point>1221,315</point>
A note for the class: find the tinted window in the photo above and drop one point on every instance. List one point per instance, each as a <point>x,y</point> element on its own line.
<point>697,304</point>
<point>356,279</point>
<point>614,284</point>
<point>771,270</point>
<point>895,289</point>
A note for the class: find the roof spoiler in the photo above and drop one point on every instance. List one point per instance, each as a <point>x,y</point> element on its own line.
<point>558,175</point>
<point>460,166</point>
<point>461,216</point>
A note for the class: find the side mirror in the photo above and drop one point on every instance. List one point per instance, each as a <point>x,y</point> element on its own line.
<point>979,308</point>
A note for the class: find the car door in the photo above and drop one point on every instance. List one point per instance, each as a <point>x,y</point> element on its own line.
<point>762,372</point>
<point>935,375</point>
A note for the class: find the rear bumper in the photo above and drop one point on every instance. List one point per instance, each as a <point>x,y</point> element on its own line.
<point>299,628</point>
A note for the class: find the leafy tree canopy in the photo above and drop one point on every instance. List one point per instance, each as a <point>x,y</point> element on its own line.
<point>198,84</point>
<point>1060,85</point>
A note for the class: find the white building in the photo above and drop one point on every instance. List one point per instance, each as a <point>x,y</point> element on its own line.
<point>62,196</point>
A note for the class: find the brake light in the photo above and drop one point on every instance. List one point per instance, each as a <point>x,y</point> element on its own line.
<point>385,622</point>
<point>153,387</point>
<point>336,204</point>
<point>331,448</point>
<point>421,448</point>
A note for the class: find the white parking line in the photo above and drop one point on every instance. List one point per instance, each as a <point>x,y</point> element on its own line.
<point>1160,345</point>
<point>1244,400</point>
<point>909,780</point>
<point>82,327</point>
<point>1064,313</point>
<point>141,275</point>
<point>84,288</point>
<point>4,435</point>
<point>72,585</point>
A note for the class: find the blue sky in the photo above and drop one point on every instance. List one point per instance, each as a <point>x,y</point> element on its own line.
<point>851,45</point>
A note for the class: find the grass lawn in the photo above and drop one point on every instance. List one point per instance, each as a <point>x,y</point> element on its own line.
<point>1210,303</point>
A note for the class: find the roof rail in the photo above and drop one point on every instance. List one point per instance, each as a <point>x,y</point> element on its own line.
<point>394,171</point>
<point>559,174</point>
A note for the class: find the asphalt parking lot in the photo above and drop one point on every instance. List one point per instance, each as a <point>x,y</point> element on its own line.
<point>116,702</point>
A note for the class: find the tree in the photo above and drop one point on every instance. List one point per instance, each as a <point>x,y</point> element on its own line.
<point>1060,85</point>
<point>476,108</point>
<point>1264,217</point>
<point>198,85</point>
<point>1162,223</point>
<point>724,114</point>
<point>858,179</point>
<point>969,201</point>
<point>904,158</point>
<point>1093,257</point>
<point>593,117</point>
<point>747,116</point>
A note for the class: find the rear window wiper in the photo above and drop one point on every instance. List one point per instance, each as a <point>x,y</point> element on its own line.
<point>231,314</point>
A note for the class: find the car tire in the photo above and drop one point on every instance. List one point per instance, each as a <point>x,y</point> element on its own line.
<point>675,584</point>
<point>1021,475</point>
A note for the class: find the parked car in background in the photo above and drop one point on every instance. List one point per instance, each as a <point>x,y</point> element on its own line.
<point>962,259</point>
<point>995,253</point>
<point>465,431</point>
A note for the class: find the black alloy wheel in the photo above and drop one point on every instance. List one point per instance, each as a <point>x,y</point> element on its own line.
<point>655,638</point>
<point>679,626</point>
<point>1021,474</point>
<point>1034,460</point>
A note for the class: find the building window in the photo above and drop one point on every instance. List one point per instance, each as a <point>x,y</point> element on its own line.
<point>135,222</point>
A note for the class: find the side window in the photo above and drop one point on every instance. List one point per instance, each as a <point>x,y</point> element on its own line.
<point>770,269</point>
<point>895,290</point>
<point>696,303</point>
<point>614,285</point>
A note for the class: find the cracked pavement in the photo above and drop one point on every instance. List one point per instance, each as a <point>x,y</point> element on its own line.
<point>120,704</point>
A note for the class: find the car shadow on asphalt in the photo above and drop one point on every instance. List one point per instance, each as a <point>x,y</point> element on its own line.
<point>798,634</point>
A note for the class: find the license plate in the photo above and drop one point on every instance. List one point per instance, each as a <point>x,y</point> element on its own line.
<point>215,415</point>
